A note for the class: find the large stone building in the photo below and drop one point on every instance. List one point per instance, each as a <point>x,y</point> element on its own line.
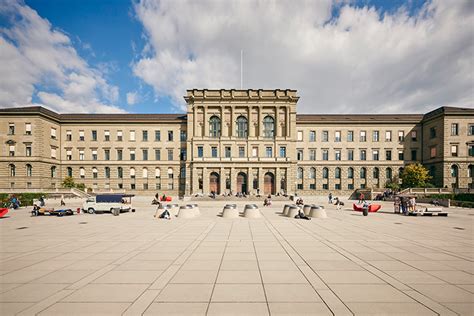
<point>233,140</point>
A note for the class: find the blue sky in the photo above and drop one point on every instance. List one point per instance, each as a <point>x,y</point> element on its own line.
<point>342,56</point>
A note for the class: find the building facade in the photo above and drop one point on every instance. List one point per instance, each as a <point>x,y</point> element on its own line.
<point>249,141</point>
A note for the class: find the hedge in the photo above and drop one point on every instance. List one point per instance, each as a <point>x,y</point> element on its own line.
<point>26,199</point>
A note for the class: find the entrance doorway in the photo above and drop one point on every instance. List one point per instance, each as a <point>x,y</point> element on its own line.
<point>269,183</point>
<point>214,183</point>
<point>241,183</point>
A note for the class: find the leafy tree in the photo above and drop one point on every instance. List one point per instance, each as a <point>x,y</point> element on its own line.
<point>415,176</point>
<point>69,182</point>
<point>393,184</point>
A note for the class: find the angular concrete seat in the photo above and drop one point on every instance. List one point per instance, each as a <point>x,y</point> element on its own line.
<point>292,211</point>
<point>186,212</point>
<point>230,211</point>
<point>286,208</point>
<point>317,212</point>
<point>251,211</point>
<point>195,208</point>
<point>307,208</point>
<point>173,209</point>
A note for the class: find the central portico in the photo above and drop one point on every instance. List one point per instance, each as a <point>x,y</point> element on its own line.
<point>241,141</point>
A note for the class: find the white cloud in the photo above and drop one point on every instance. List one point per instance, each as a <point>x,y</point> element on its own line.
<point>132,98</point>
<point>360,61</point>
<point>36,59</point>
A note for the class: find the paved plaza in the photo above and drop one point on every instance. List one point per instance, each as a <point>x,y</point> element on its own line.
<point>134,264</point>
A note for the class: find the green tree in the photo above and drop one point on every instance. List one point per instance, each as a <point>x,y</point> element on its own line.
<point>415,176</point>
<point>69,182</point>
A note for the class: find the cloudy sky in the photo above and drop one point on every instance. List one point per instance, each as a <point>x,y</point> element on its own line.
<point>366,56</point>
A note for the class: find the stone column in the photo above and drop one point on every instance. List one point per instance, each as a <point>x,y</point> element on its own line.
<point>277,180</point>
<point>277,121</point>
<point>259,123</point>
<point>250,181</point>
<point>205,181</point>
<point>233,181</point>
<point>194,181</point>
<point>194,122</point>
<point>224,130</point>
<point>232,121</point>
<point>287,123</point>
<point>222,180</point>
<point>206,122</point>
<point>260,179</point>
<point>251,129</point>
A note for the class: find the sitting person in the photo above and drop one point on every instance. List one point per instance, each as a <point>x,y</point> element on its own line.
<point>302,215</point>
<point>165,215</point>
<point>267,202</point>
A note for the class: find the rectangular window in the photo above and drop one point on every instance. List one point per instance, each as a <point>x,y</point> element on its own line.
<point>470,129</point>
<point>325,186</point>
<point>145,136</point>
<point>363,136</point>
<point>119,136</point>
<point>107,136</point>
<point>350,154</point>
<point>337,154</point>
<point>157,154</point>
<point>145,154</point>
<point>454,150</point>
<point>413,136</point>
<point>182,155</point>
<point>433,152</point>
<point>268,152</point>
<point>300,135</point>
<point>375,136</point>
<point>282,152</point>
<point>227,152</point>
<point>81,154</point>
<point>53,152</point>
<point>401,136</point>
<point>200,151</point>
<point>312,186</point>
<point>350,136</point>
<point>401,156</point>
<point>388,136</point>
<point>28,128</point>
<point>11,129</point>
<point>69,136</point>
<point>299,186</point>
<point>454,129</point>
<point>299,154</point>
<point>312,136</point>
<point>375,155</point>
<point>94,154</point>
<point>241,152</point>
<point>119,154</point>
<point>107,172</point>
<point>132,136</point>
<point>94,135</point>
<point>312,154</point>
<point>12,150</point>
<point>388,155</point>
<point>157,136</point>
<point>337,186</point>
<point>432,132</point>
<point>28,151</point>
<point>413,154</point>
<point>325,154</point>
<point>337,136</point>
<point>350,186</point>
<point>363,155</point>
<point>170,154</point>
<point>182,136</point>
<point>214,152</point>
<point>325,137</point>
<point>107,154</point>
<point>254,151</point>
<point>132,154</point>
<point>170,136</point>
<point>470,150</point>
<point>81,136</point>
<point>53,133</point>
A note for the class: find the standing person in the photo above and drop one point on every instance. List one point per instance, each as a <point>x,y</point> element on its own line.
<point>361,198</point>
<point>62,200</point>
<point>338,203</point>
<point>396,205</point>
<point>330,198</point>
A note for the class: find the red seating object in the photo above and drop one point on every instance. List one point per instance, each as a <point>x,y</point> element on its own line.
<point>3,211</point>
<point>372,207</point>
<point>168,199</point>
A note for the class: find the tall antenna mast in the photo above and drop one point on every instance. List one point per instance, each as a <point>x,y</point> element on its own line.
<point>241,69</point>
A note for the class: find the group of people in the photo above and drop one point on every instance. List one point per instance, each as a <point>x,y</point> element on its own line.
<point>335,201</point>
<point>267,201</point>
<point>404,204</point>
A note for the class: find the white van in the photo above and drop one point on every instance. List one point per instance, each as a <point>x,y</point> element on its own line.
<point>104,203</point>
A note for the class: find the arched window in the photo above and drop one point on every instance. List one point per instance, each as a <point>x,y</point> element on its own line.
<point>182,172</point>
<point>29,170</point>
<point>12,170</point>
<point>454,171</point>
<point>300,173</point>
<point>214,127</point>
<point>132,173</point>
<point>376,173</point>
<point>268,127</point>
<point>337,173</point>
<point>350,173</point>
<point>82,172</point>
<point>157,173</point>
<point>53,172</point>
<point>312,173</point>
<point>170,173</point>
<point>95,173</point>
<point>145,173</point>
<point>363,173</point>
<point>120,172</point>
<point>242,127</point>
<point>388,173</point>
<point>325,173</point>
<point>107,172</point>
<point>470,171</point>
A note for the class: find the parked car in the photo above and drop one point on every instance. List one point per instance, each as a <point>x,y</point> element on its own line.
<point>105,203</point>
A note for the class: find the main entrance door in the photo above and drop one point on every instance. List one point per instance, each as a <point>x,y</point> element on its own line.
<point>241,183</point>
<point>269,183</point>
<point>214,183</point>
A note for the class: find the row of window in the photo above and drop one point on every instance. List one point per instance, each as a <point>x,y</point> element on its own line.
<point>132,154</point>
<point>119,135</point>
<point>350,136</point>
<point>350,173</point>
<point>242,126</point>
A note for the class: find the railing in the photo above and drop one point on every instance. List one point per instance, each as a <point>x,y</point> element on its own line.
<point>74,191</point>
<point>426,191</point>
